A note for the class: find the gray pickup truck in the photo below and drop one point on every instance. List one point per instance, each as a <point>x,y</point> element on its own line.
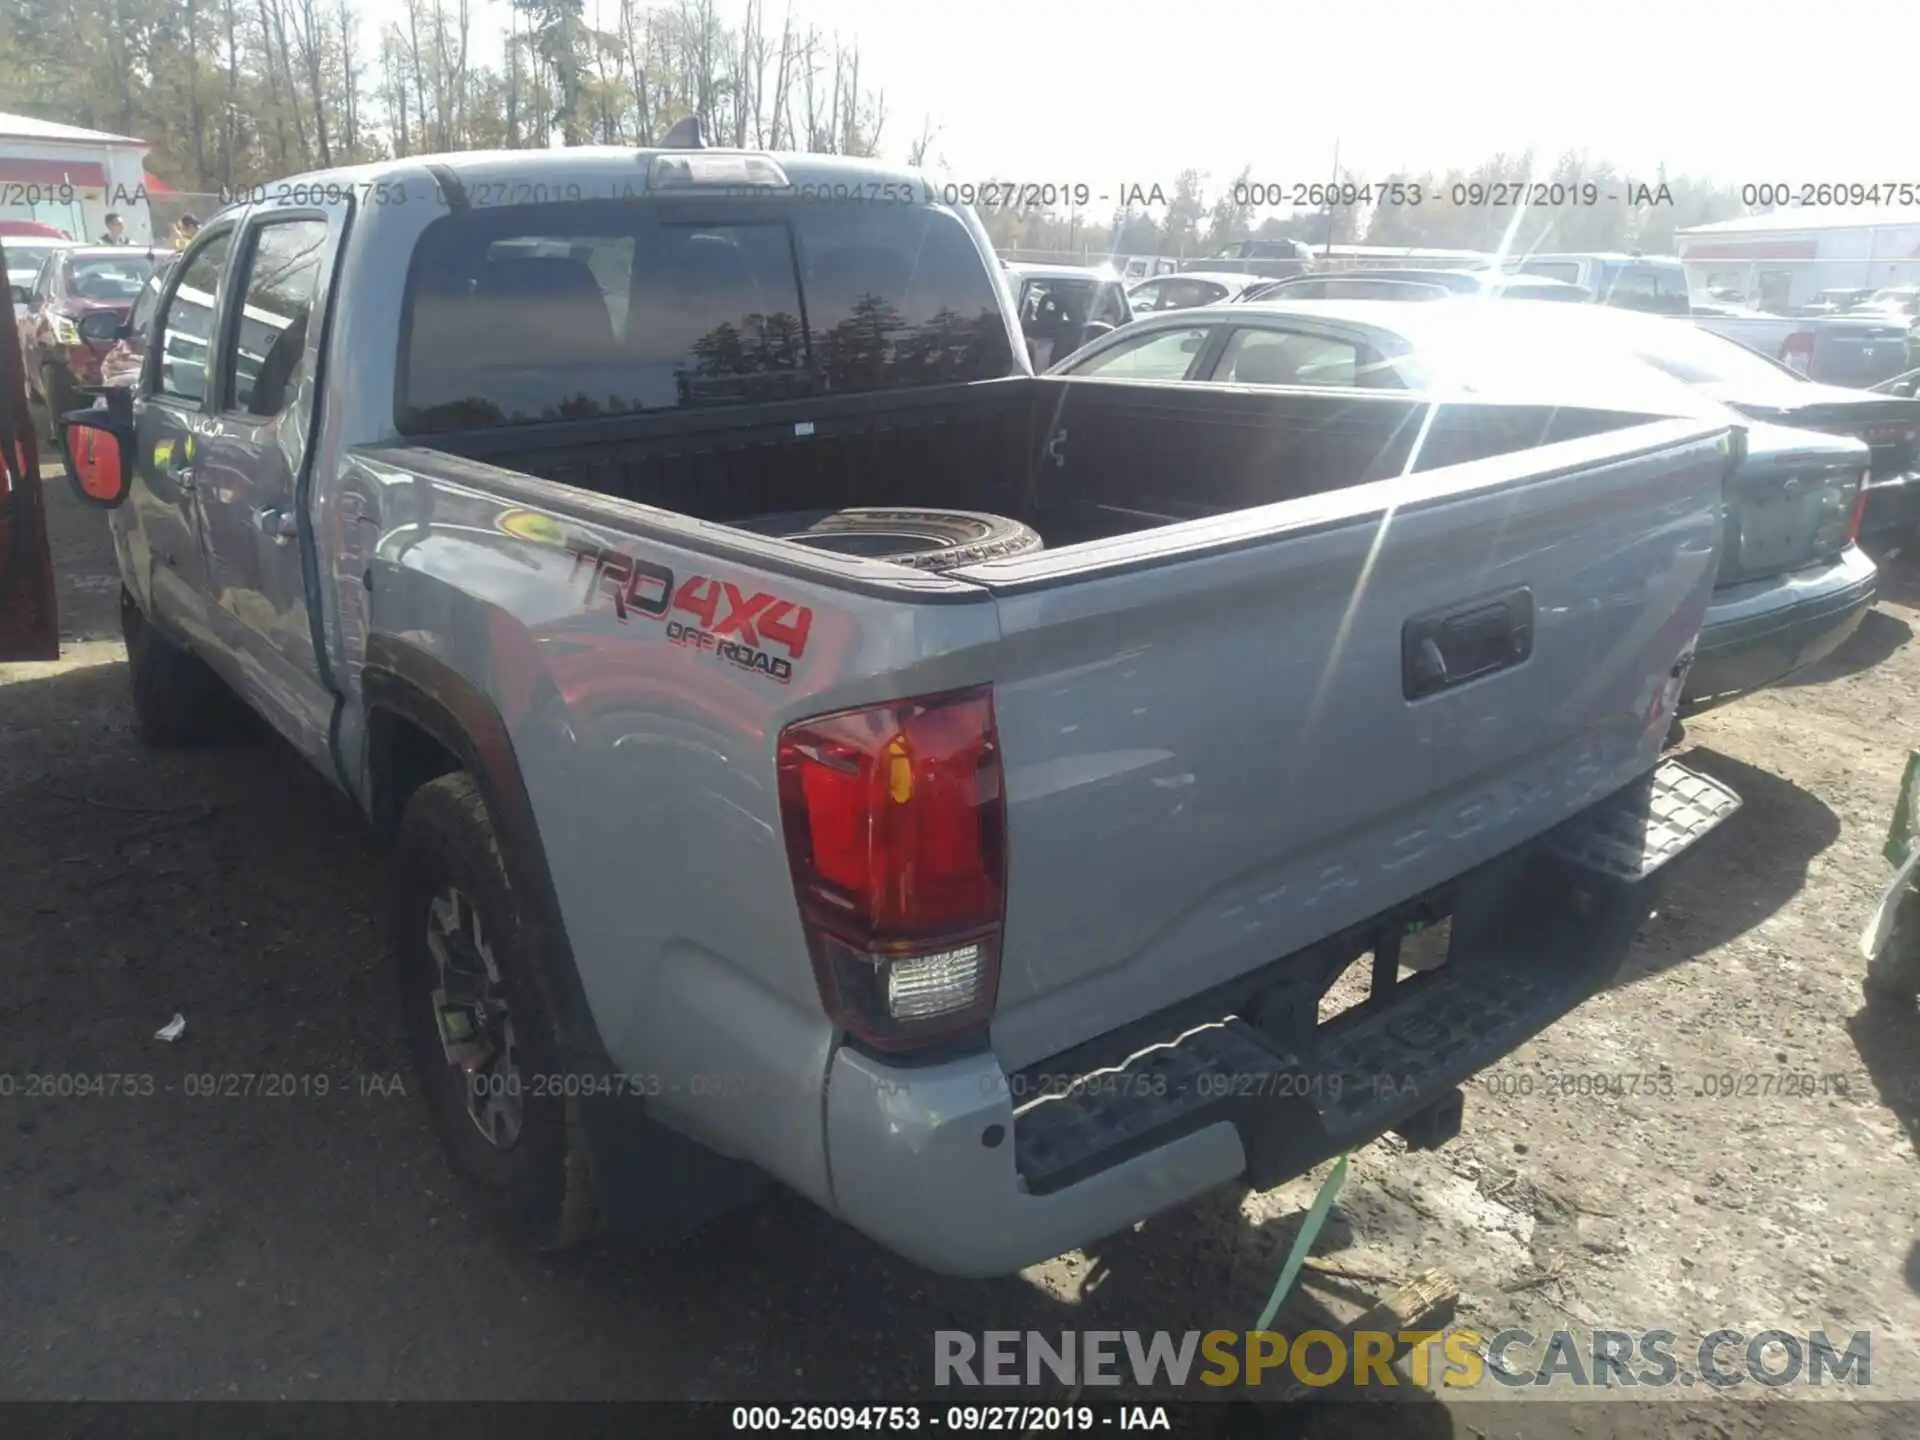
<point>985,895</point>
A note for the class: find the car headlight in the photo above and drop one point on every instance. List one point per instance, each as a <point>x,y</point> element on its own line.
<point>65,332</point>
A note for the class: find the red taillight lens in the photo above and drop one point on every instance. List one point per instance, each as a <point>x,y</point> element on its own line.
<point>1859,512</point>
<point>1797,353</point>
<point>896,836</point>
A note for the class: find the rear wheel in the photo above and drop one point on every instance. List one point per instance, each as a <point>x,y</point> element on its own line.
<point>479,1021</point>
<point>177,700</point>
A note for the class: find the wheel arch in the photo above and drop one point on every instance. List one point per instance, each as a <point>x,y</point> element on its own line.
<point>425,719</point>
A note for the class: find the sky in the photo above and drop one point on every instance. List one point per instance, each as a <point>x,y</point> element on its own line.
<point>1122,92</point>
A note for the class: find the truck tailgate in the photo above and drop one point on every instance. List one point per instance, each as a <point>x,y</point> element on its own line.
<point>1212,757</point>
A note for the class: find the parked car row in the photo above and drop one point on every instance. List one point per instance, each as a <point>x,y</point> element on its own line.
<point>1856,338</point>
<point>1826,473</point>
<point>72,282</point>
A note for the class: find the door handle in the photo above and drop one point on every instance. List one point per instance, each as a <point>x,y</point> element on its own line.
<point>182,477</point>
<point>277,524</point>
<point>1439,651</point>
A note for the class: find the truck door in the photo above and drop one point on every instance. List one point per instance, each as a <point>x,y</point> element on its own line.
<point>28,626</point>
<point>158,529</point>
<point>250,459</point>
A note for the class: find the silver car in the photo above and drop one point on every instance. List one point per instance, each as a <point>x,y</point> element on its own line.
<point>1793,581</point>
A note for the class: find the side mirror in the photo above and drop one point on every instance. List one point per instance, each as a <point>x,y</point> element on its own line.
<point>99,457</point>
<point>100,328</point>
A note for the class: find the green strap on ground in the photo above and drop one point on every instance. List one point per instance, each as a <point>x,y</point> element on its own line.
<point>1303,1242</point>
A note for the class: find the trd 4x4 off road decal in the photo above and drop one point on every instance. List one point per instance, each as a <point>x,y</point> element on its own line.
<point>720,617</point>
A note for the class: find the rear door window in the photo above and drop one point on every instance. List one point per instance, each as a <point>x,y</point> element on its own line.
<point>1163,355</point>
<point>1148,298</point>
<point>270,342</point>
<point>548,312</point>
<point>1280,357</point>
<point>1644,287</point>
<point>1290,357</point>
<point>1568,270</point>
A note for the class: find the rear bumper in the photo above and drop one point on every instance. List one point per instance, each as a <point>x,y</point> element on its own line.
<point>1764,630</point>
<point>969,1171</point>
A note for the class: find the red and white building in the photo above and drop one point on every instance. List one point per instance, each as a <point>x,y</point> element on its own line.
<point>68,178</point>
<point>1785,258</point>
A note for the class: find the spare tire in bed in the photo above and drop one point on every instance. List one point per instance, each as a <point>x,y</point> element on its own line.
<point>924,539</point>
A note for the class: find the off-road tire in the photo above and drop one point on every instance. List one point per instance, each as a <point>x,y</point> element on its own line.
<point>922,538</point>
<point>178,701</point>
<point>540,1187</point>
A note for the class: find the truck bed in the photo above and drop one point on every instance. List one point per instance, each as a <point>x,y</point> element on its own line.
<point>1078,460</point>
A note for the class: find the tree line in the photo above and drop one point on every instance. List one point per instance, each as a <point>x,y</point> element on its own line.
<point>236,92</point>
<point>232,93</point>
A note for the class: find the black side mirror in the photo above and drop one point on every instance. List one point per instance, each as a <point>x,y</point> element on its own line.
<point>100,328</point>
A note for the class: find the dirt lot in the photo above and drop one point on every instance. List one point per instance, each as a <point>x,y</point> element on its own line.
<point>313,1246</point>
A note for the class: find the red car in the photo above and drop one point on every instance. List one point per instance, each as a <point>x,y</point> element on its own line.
<point>126,357</point>
<point>72,283</point>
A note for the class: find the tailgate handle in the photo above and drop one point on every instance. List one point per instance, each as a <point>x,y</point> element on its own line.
<point>1441,650</point>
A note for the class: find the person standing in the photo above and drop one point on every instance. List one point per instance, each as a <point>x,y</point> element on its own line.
<point>116,230</point>
<point>184,229</point>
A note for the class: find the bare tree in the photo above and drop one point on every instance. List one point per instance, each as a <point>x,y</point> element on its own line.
<point>309,33</point>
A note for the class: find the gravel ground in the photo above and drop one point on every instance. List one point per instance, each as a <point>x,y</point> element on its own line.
<point>308,1245</point>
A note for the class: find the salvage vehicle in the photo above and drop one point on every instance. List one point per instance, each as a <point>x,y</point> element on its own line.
<point>1656,284</point>
<point>1793,583</point>
<point>124,360</point>
<point>26,254</point>
<point>1270,259</point>
<point>1854,348</point>
<point>1420,285</point>
<point>1186,290</point>
<point>1832,302</point>
<point>813,746</point>
<point>75,282</point>
<point>29,613</point>
<point>1062,307</point>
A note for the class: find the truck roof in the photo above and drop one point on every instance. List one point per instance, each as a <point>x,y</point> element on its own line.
<point>609,165</point>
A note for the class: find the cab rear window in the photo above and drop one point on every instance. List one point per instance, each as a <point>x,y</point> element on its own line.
<point>548,312</point>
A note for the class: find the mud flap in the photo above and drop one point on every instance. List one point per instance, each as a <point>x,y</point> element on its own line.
<point>655,1185</point>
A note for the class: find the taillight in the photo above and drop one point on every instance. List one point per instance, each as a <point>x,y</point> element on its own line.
<point>1859,511</point>
<point>1797,353</point>
<point>896,836</point>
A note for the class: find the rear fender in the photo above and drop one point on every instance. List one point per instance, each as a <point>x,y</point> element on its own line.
<point>405,682</point>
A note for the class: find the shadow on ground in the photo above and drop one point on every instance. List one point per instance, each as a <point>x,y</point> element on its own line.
<point>1727,884</point>
<point>1880,635</point>
<point>203,1233</point>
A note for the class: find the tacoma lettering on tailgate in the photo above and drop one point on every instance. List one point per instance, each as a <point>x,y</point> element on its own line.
<point>731,624</point>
